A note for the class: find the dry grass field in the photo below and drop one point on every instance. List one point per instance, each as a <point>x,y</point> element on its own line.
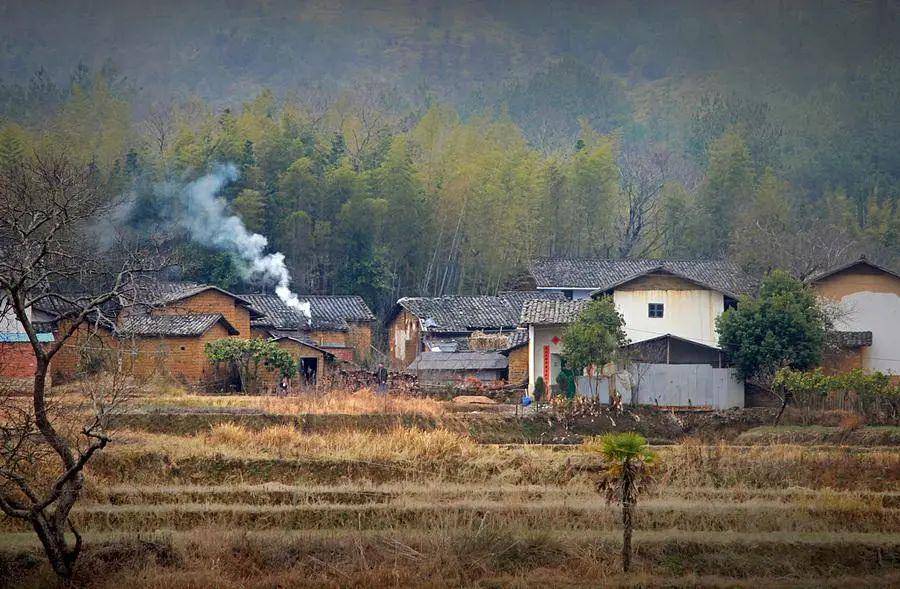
<point>418,500</point>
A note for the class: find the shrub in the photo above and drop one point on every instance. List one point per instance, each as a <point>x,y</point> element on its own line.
<point>870,394</point>
<point>539,389</point>
<point>247,356</point>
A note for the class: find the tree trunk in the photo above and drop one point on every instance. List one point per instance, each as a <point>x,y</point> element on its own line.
<point>50,526</point>
<point>52,536</point>
<point>627,512</point>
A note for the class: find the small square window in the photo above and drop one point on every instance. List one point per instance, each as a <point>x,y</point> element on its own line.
<point>655,310</point>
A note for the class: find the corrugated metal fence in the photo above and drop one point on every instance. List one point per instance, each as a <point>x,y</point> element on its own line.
<point>684,385</point>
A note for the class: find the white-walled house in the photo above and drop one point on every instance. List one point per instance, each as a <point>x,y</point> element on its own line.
<point>868,328</point>
<point>655,297</point>
<point>658,299</point>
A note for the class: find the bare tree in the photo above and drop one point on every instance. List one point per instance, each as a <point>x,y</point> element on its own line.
<point>765,244</point>
<point>644,172</point>
<point>159,125</point>
<point>53,254</point>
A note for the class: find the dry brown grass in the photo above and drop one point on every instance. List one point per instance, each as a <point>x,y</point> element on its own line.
<point>274,505</point>
<point>480,556</point>
<point>337,402</point>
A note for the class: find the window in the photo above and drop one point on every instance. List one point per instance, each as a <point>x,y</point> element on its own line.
<point>655,310</point>
<point>567,294</point>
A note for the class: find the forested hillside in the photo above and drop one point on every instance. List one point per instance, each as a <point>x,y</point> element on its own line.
<point>432,148</point>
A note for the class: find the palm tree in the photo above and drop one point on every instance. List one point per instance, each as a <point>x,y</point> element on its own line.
<point>627,472</point>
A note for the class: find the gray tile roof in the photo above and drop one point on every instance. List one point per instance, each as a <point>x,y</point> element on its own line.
<point>171,325</point>
<point>459,361</point>
<point>551,312</point>
<point>339,308</point>
<point>328,312</point>
<point>850,339</point>
<point>275,313</point>
<point>601,274</point>
<point>463,314</point>
<point>160,293</point>
<point>862,261</point>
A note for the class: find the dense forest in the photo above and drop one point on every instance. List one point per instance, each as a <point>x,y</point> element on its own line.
<point>433,148</point>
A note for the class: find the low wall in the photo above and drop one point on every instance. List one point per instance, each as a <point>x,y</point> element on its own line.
<point>671,385</point>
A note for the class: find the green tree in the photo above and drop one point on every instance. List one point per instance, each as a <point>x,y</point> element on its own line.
<point>248,356</point>
<point>728,187</point>
<point>628,471</point>
<point>593,340</point>
<point>784,327</point>
<point>13,141</point>
<point>250,206</point>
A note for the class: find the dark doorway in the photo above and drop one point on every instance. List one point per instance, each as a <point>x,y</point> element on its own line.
<point>309,368</point>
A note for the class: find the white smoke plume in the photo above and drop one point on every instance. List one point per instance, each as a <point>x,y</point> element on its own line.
<point>207,220</point>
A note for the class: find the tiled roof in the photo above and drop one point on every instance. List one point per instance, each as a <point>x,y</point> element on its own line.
<point>338,308</point>
<point>327,312</point>
<point>847,266</point>
<point>171,325</point>
<point>302,341</point>
<point>601,274</point>
<point>850,339</point>
<point>462,314</point>
<point>551,312</point>
<point>459,361</point>
<point>160,293</point>
<point>275,313</point>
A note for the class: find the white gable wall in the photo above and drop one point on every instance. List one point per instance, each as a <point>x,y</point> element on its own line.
<point>878,312</point>
<point>690,314</point>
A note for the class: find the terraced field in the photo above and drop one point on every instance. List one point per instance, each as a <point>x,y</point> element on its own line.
<point>276,506</point>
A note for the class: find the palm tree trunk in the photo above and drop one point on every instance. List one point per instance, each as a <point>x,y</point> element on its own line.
<point>627,509</point>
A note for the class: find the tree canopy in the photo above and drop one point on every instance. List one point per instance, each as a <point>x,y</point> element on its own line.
<point>784,327</point>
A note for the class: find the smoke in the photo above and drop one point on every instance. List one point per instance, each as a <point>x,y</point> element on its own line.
<point>206,219</point>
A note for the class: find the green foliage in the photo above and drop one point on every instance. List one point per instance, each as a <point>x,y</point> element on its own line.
<point>628,471</point>
<point>621,447</point>
<point>729,184</point>
<point>565,380</point>
<point>540,389</point>
<point>871,394</point>
<point>595,337</point>
<point>250,206</point>
<point>247,356</point>
<point>783,328</point>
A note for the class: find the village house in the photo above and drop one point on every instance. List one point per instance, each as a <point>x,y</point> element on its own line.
<point>339,325</point>
<point>17,359</point>
<point>666,370</point>
<point>668,306</point>
<point>867,326</point>
<point>165,334</point>
<point>474,325</point>
<point>655,297</point>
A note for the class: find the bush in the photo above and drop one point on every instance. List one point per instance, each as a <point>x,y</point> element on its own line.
<point>872,395</point>
<point>247,356</point>
<point>540,388</point>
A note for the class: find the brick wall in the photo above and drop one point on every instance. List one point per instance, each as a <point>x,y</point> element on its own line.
<point>180,358</point>
<point>360,338</point>
<point>17,360</point>
<point>211,301</point>
<point>325,337</point>
<point>86,343</point>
